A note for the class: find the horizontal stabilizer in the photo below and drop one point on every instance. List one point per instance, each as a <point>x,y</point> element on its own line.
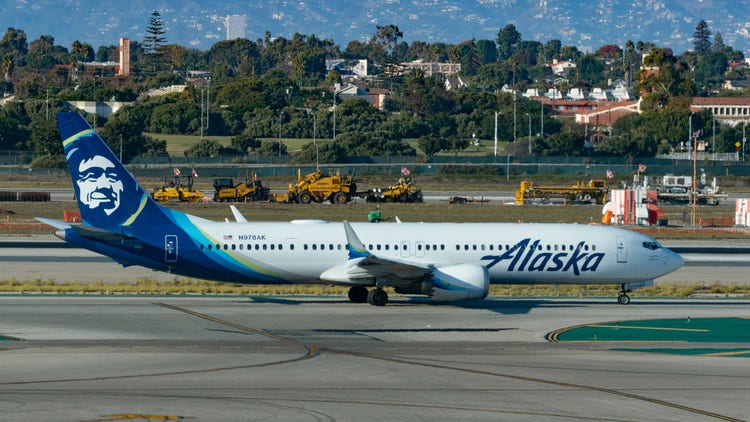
<point>98,234</point>
<point>60,225</point>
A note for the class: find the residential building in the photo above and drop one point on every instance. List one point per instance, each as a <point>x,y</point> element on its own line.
<point>124,69</point>
<point>432,68</point>
<point>374,96</point>
<point>560,66</point>
<point>728,110</point>
<point>236,26</point>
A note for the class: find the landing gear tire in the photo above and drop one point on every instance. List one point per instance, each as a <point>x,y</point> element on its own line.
<point>623,299</point>
<point>377,297</point>
<point>358,294</point>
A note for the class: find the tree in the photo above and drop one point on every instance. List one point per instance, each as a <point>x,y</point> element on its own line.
<point>718,42</point>
<point>154,40</point>
<point>507,40</point>
<point>204,148</point>
<point>702,38</point>
<point>244,141</point>
<point>487,50</point>
<point>386,37</point>
<point>431,144</point>
<point>126,127</point>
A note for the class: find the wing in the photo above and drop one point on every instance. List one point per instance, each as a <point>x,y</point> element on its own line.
<point>363,267</point>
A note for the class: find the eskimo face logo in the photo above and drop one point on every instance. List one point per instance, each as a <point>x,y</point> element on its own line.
<point>99,186</point>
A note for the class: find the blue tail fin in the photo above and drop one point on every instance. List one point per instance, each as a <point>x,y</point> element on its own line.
<point>108,195</point>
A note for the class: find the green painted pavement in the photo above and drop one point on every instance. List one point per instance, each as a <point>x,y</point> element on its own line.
<point>714,330</point>
<point>736,353</point>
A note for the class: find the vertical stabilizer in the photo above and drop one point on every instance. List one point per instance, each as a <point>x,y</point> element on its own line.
<point>108,195</point>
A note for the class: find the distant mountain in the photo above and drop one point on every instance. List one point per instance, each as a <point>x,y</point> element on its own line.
<point>200,23</point>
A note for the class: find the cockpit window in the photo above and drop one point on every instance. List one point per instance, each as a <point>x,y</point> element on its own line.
<point>651,245</point>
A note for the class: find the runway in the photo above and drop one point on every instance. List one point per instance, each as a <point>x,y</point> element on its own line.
<point>291,358</point>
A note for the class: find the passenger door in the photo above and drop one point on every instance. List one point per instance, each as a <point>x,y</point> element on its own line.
<point>622,249</point>
<point>170,248</point>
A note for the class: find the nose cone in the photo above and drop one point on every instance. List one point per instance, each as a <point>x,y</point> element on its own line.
<point>672,261</point>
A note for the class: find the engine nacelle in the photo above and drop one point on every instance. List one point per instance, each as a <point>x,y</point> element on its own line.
<point>459,282</point>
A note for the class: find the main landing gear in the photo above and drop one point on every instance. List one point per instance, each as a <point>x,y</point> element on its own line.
<point>623,298</point>
<point>358,294</point>
<point>376,296</point>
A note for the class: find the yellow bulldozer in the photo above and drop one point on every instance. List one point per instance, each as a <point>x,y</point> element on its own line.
<point>315,187</point>
<point>249,190</point>
<point>178,188</point>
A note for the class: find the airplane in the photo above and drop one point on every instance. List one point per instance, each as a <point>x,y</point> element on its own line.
<point>444,261</point>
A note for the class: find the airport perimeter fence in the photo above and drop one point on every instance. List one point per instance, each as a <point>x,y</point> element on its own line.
<point>502,166</point>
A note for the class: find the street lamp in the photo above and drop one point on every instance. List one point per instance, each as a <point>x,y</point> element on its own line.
<point>315,142</point>
<point>529,116</point>
<point>496,134</point>
<point>280,123</point>
<point>335,91</point>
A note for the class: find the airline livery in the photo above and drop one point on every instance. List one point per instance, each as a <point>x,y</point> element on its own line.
<point>445,261</point>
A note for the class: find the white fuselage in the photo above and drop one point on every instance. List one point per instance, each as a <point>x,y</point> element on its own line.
<point>513,253</point>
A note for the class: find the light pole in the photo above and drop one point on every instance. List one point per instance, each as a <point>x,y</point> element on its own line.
<point>121,147</point>
<point>541,120</point>
<point>496,134</point>
<point>744,139</point>
<point>713,138</point>
<point>335,91</point>
<point>280,123</point>
<point>315,142</point>
<point>529,116</point>
<point>514,113</point>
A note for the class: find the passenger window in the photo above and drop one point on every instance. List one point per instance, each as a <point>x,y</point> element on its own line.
<point>234,246</point>
<point>272,246</point>
<point>226,246</point>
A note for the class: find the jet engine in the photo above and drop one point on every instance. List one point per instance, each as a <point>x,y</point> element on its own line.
<point>459,282</point>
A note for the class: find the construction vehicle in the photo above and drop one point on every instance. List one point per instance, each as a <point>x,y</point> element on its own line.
<point>179,188</point>
<point>582,192</point>
<point>249,190</point>
<point>679,190</point>
<point>403,191</point>
<point>314,187</point>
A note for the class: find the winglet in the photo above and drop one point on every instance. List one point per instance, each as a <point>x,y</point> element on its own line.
<point>237,214</point>
<point>356,248</point>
